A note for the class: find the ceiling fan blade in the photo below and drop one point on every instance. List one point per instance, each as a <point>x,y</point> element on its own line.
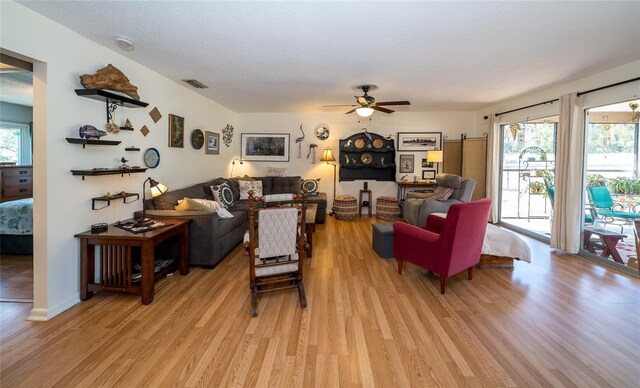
<point>381,109</point>
<point>333,106</point>
<point>351,111</point>
<point>361,100</point>
<point>394,103</point>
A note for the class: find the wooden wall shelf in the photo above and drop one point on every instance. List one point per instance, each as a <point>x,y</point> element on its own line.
<point>132,149</point>
<point>108,200</point>
<point>370,157</point>
<point>107,171</point>
<point>84,142</point>
<point>110,98</point>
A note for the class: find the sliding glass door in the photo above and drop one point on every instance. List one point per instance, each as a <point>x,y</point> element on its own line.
<point>527,169</point>
<point>612,184</point>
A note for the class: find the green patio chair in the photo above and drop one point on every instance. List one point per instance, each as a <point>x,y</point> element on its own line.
<point>607,209</point>
<point>589,216</point>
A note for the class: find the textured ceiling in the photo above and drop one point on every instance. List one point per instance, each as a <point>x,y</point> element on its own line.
<point>16,87</point>
<point>297,56</point>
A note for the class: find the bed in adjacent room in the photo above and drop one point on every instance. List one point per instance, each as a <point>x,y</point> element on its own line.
<point>16,227</point>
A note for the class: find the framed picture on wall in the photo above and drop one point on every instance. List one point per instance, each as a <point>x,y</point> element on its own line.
<point>176,131</point>
<point>426,164</point>
<point>428,174</point>
<point>406,163</point>
<point>265,147</point>
<point>419,141</point>
<point>213,143</point>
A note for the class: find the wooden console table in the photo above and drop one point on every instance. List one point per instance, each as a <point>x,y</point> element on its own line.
<point>116,258</point>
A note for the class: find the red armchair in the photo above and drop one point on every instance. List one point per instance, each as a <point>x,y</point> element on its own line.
<point>444,246</point>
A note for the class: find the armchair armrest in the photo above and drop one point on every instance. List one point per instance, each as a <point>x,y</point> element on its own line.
<point>435,223</point>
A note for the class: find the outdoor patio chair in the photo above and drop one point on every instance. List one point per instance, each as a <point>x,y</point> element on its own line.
<point>609,211</point>
<point>589,214</point>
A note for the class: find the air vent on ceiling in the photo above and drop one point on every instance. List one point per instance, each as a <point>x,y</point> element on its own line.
<point>195,83</point>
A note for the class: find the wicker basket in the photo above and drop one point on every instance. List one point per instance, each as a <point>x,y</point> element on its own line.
<point>345,207</point>
<point>387,208</point>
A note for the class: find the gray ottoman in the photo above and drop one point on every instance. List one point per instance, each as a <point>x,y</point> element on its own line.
<point>382,239</point>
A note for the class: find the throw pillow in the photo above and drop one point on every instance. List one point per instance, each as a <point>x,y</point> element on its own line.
<point>188,204</point>
<point>246,186</point>
<point>311,185</point>
<point>276,171</point>
<point>223,195</point>
<point>443,195</point>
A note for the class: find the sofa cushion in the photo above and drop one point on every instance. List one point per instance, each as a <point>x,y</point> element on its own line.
<point>311,185</point>
<point>266,184</point>
<point>229,224</point>
<point>206,187</point>
<point>286,184</point>
<point>187,204</point>
<point>246,186</point>
<point>169,200</point>
<point>223,195</point>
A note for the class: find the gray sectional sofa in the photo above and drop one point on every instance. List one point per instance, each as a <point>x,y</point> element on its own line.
<point>213,237</point>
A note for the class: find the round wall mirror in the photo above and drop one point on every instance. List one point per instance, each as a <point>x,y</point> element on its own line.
<point>322,131</point>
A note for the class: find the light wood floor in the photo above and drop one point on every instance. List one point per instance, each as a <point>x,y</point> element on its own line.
<point>560,321</point>
<point>16,278</point>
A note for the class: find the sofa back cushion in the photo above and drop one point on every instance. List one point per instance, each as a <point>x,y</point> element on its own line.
<point>206,187</point>
<point>286,184</point>
<point>169,200</point>
<point>267,184</point>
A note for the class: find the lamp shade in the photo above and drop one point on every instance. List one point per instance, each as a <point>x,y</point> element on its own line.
<point>327,156</point>
<point>434,156</point>
<point>364,112</point>
<point>157,188</point>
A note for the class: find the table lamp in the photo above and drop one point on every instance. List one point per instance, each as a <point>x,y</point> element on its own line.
<point>327,156</point>
<point>435,156</point>
<point>156,189</point>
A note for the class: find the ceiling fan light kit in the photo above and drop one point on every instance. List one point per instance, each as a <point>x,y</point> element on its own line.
<point>367,104</point>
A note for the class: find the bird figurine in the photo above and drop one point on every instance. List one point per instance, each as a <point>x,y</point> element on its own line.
<point>299,141</point>
<point>124,163</point>
<point>312,148</point>
<point>349,142</point>
<point>367,134</point>
<point>346,158</point>
<point>389,137</point>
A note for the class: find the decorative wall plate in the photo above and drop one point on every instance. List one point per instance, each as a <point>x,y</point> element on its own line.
<point>151,157</point>
<point>197,139</point>
<point>322,132</point>
<point>378,143</point>
<point>366,158</point>
<point>359,143</point>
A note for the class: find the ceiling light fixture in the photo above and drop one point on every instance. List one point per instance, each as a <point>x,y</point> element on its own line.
<point>125,43</point>
<point>364,111</point>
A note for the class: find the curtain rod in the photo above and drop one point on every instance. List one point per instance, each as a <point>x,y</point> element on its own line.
<point>579,94</point>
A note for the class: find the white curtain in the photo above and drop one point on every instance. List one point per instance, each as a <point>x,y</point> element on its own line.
<point>567,219</point>
<point>493,166</point>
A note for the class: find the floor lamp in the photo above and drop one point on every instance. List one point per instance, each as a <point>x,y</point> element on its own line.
<point>435,156</point>
<point>327,156</point>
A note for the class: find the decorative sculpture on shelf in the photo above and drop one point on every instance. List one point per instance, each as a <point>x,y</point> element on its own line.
<point>110,77</point>
<point>299,141</point>
<point>90,132</point>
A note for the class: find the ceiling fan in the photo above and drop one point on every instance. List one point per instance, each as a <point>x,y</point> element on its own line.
<point>367,104</point>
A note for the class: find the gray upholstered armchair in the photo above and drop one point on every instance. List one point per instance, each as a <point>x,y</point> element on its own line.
<point>418,206</point>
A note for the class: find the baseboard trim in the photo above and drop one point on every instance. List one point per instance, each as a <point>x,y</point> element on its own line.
<point>47,314</point>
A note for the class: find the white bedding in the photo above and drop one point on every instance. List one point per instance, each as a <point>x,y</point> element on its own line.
<point>502,242</point>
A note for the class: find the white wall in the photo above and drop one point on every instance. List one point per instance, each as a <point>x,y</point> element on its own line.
<point>62,201</point>
<point>451,124</point>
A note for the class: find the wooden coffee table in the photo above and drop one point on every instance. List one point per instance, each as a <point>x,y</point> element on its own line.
<point>310,226</point>
<point>116,258</point>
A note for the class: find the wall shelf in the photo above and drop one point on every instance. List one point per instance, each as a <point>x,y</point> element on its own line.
<point>110,98</point>
<point>132,149</point>
<point>84,142</point>
<point>107,171</point>
<point>378,152</point>
<point>108,200</point>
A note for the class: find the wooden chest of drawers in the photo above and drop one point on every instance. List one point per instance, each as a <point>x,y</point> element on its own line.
<point>16,182</point>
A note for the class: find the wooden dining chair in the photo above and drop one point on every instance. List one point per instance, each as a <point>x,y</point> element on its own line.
<point>275,245</point>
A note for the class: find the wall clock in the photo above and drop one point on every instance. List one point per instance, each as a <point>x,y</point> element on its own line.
<point>197,139</point>
<point>151,158</point>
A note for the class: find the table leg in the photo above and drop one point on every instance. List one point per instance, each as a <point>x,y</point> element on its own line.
<point>148,275</point>
<point>610,248</point>
<point>309,232</point>
<point>87,268</point>
<point>587,242</point>
<point>184,251</point>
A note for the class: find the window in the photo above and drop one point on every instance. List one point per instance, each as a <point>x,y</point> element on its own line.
<point>15,143</point>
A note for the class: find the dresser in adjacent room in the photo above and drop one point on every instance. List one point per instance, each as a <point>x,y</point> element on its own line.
<point>16,182</point>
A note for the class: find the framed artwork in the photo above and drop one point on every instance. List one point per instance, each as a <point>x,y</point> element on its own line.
<point>176,131</point>
<point>419,141</point>
<point>265,147</point>
<point>213,143</point>
<point>428,174</point>
<point>426,164</point>
<point>406,163</point>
